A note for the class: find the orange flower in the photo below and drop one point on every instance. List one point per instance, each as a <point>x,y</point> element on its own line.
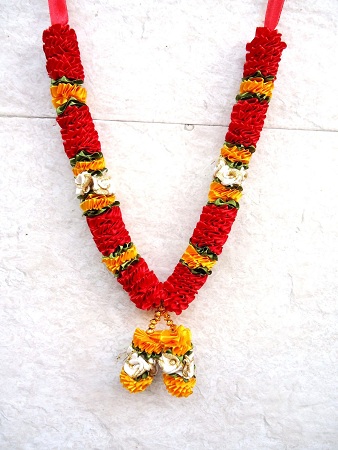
<point>82,166</point>
<point>64,91</point>
<point>257,86</point>
<point>134,386</point>
<point>178,341</point>
<point>94,201</point>
<point>177,386</point>
<point>113,264</point>
<point>234,154</point>
<point>217,190</point>
<point>194,259</point>
<point>150,343</point>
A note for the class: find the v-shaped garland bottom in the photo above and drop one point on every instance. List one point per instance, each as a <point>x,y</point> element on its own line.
<point>171,349</point>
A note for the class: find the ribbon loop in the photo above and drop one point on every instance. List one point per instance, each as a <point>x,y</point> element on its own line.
<point>58,12</point>
<point>273,12</point>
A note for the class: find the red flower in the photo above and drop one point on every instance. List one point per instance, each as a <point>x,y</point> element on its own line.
<point>108,230</point>
<point>141,284</point>
<point>181,288</point>
<point>264,53</point>
<point>213,227</point>
<point>62,53</point>
<point>78,131</point>
<point>247,120</point>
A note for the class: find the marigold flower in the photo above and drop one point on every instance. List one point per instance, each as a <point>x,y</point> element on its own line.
<point>134,386</point>
<point>177,386</point>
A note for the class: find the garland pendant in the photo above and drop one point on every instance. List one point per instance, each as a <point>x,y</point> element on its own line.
<point>170,350</point>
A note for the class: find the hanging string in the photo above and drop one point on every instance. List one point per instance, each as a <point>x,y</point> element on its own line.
<point>58,12</point>
<point>273,12</point>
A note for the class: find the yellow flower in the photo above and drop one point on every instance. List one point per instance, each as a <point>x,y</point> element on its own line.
<point>217,190</point>
<point>114,264</point>
<point>177,386</point>
<point>194,259</point>
<point>64,91</point>
<point>257,86</point>
<point>132,385</point>
<point>234,154</point>
<point>178,341</point>
<point>150,343</point>
<point>94,201</point>
<point>82,166</point>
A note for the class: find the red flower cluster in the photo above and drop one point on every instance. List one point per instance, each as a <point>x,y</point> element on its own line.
<point>108,230</point>
<point>247,120</point>
<point>265,52</point>
<point>78,131</point>
<point>141,284</point>
<point>181,288</point>
<point>213,227</point>
<point>62,53</point>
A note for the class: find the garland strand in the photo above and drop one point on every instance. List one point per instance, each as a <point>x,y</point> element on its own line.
<point>98,202</point>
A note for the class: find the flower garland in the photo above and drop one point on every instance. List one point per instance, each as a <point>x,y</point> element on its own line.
<point>95,190</point>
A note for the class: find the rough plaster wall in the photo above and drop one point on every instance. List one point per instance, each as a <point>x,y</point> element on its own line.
<point>265,324</point>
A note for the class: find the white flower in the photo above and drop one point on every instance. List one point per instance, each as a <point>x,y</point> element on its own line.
<point>84,183</point>
<point>103,185</point>
<point>99,184</point>
<point>135,366</point>
<point>170,363</point>
<point>188,370</point>
<point>228,175</point>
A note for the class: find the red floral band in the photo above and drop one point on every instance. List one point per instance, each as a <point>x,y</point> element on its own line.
<point>102,211</point>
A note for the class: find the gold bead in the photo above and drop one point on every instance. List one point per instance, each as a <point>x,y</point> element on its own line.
<point>149,331</point>
<point>161,308</point>
<point>151,326</point>
<point>170,322</point>
<point>153,321</point>
<point>166,316</point>
<point>158,314</point>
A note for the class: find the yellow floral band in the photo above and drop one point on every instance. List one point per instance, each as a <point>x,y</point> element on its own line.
<point>63,92</point>
<point>83,166</point>
<point>114,262</point>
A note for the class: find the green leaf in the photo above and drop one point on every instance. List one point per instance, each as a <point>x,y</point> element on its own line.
<point>71,102</point>
<point>236,164</point>
<point>83,155</point>
<point>205,251</point>
<point>98,173</point>
<point>121,249</point>
<point>259,74</point>
<point>198,270</point>
<point>230,203</point>
<point>65,80</point>
<point>248,95</point>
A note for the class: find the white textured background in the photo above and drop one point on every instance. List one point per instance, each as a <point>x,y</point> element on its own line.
<point>265,324</point>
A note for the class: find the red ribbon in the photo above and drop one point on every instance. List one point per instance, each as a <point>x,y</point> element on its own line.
<point>58,12</point>
<point>273,12</point>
